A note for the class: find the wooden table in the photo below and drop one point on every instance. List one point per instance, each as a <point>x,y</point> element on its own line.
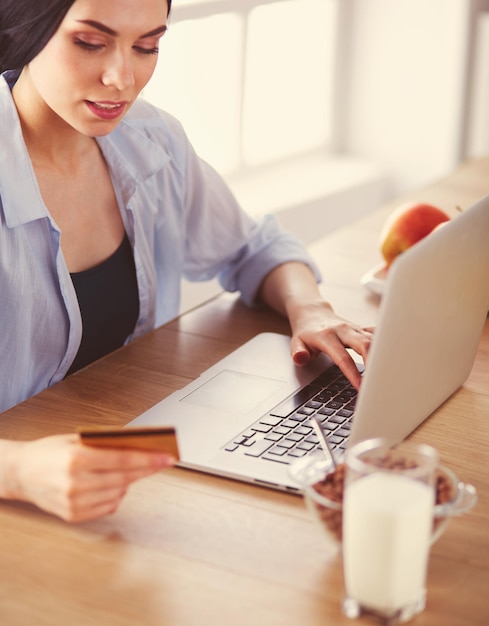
<point>190,549</point>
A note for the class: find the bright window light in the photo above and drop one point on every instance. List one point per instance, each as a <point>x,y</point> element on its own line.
<point>198,79</point>
<point>289,74</point>
<point>251,82</point>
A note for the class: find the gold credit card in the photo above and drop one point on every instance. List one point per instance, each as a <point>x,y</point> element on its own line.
<point>159,438</point>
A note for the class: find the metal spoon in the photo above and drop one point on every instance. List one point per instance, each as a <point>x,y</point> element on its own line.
<point>316,424</point>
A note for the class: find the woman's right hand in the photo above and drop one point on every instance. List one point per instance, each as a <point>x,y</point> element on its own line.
<point>70,480</point>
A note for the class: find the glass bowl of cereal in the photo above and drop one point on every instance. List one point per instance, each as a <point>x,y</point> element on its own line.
<point>322,486</point>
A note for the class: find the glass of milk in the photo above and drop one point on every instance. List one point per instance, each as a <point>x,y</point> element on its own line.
<point>387,523</point>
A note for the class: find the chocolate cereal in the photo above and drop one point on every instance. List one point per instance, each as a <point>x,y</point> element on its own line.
<point>331,487</point>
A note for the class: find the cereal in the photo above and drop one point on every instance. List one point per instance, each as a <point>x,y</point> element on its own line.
<point>332,485</point>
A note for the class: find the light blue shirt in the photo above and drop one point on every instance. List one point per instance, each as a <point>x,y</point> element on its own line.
<point>180,217</point>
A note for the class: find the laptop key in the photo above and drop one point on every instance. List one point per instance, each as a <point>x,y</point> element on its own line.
<point>339,385</point>
<point>312,439</point>
<point>324,396</point>
<point>335,439</point>
<point>298,417</point>
<point>276,451</point>
<point>334,405</point>
<point>258,448</point>
<point>295,436</point>
<point>297,453</point>
<point>337,419</point>
<point>326,411</point>
<point>286,459</point>
<point>270,419</point>
<point>273,436</point>
<point>288,423</point>
<point>312,404</point>
<point>303,430</point>
<point>306,446</point>
<point>305,410</point>
<point>281,430</point>
<point>262,428</point>
<point>286,443</point>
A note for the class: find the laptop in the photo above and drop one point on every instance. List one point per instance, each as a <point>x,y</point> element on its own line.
<point>248,416</point>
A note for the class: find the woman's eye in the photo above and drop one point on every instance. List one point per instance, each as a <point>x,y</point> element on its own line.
<point>154,50</point>
<point>88,46</point>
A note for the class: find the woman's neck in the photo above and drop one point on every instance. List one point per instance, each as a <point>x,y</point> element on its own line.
<point>51,142</point>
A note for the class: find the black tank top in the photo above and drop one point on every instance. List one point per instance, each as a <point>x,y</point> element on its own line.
<point>109,305</point>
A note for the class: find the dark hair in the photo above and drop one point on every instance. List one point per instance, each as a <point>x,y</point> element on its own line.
<point>26,26</point>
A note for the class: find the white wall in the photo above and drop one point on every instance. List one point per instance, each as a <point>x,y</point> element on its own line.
<point>406,88</point>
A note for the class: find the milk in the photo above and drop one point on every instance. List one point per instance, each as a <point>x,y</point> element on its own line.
<point>387,522</point>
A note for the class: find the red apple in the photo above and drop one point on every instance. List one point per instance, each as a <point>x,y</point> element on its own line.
<point>408,224</point>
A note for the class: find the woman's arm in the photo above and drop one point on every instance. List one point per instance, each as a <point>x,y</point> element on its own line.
<point>291,289</point>
<point>72,481</point>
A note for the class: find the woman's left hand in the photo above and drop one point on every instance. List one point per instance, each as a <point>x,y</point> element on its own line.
<point>316,328</point>
<point>291,290</point>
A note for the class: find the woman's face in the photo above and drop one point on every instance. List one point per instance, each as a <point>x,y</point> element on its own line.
<point>98,61</point>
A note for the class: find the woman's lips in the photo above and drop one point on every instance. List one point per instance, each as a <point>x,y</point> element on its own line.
<point>106,110</point>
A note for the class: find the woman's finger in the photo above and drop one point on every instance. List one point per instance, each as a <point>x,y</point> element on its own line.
<point>91,504</point>
<point>111,459</point>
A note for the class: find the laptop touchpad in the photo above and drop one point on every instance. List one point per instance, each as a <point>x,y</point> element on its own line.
<point>234,391</point>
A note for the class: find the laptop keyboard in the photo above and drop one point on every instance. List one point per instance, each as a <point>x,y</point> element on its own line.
<point>285,433</point>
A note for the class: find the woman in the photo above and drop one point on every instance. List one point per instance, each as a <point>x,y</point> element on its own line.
<point>104,207</point>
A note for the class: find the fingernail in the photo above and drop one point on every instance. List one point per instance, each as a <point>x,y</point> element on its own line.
<point>301,357</point>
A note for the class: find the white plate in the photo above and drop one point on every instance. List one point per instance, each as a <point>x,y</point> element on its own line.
<point>374,279</point>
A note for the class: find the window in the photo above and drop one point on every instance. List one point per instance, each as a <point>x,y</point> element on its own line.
<point>255,84</point>
<point>252,81</point>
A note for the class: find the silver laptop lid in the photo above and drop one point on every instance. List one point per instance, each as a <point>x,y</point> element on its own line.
<point>432,314</point>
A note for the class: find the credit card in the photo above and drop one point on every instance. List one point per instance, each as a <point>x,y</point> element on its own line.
<point>159,438</point>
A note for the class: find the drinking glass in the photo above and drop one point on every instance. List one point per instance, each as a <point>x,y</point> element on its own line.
<point>387,524</point>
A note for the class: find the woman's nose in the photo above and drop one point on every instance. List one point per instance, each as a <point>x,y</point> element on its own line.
<point>119,72</point>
